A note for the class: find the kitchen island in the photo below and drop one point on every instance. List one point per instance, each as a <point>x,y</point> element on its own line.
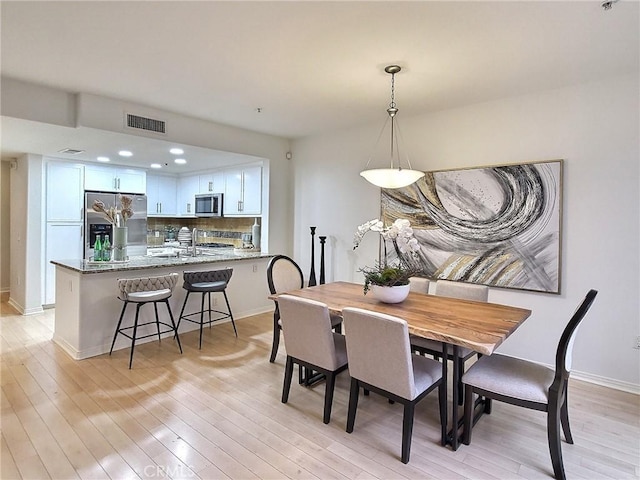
<point>87,308</point>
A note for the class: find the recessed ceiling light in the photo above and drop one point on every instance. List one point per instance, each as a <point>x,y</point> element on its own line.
<point>125,153</point>
<point>180,161</point>
<point>176,151</point>
<point>103,159</point>
<point>156,165</point>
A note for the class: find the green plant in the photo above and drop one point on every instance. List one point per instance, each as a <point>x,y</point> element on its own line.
<point>387,276</point>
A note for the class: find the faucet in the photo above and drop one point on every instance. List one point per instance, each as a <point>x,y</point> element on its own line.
<point>194,239</point>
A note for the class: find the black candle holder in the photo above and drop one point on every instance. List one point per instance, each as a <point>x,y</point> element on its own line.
<point>312,274</point>
<point>323,239</point>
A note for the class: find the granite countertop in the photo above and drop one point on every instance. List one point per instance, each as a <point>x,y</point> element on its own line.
<point>213,255</point>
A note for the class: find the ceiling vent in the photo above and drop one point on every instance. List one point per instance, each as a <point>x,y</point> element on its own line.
<point>144,123</point>
<point>70,151</point>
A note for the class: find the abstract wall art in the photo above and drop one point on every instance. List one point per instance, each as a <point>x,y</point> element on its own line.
<point>497,226</point>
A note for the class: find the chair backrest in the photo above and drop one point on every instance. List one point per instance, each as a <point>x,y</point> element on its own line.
<point>283,274</point>
<point>465,291</point>
<point>565,346</point>
<point>146,284</point>
<point>379,351</point>
<point>419,285</point>
<point>222,275</point>
<point>306,327</point>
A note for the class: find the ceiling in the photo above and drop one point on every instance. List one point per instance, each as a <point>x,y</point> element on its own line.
<point>294,69</point>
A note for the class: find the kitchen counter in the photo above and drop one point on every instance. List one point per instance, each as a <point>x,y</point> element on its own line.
<point>160,259</point>
<point>87,306</point>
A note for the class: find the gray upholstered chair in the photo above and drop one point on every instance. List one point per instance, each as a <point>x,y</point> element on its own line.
<point>141,291</point>
<point>206,283</point>
<point>283,275</point>
<point>311,343</point>
<point>465,291</point>
<point>419,285</point>
<point>530,385</point>
<point>381,361</point>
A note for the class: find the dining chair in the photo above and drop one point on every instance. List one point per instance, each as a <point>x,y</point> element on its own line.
<point>530,385</point>
<point>419,285</point>
<point>283,275</point>
<point>311,343</point>
<point>381,361</point>
<point>464,291</point>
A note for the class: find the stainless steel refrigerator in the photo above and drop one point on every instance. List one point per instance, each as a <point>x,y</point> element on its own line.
<point>96,224</point>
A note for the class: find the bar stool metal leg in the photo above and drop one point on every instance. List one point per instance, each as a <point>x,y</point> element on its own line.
<point>224,292</point>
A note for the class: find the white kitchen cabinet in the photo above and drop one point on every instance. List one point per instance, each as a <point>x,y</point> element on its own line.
<point>212,182</point>
<point>188,188</point>
<point>64,195</point>
<point>63,242</point>
<point>115,179</point>
<point>243,191</point>
<point>162,195</point>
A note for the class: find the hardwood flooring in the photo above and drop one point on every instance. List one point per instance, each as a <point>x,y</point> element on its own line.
<point>216,413</point>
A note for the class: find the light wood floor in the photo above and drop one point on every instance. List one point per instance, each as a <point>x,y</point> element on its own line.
<point>216,413</point>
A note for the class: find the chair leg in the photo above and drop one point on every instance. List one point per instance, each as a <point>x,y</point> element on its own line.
<point>201,320</point>
<point>155,309</point>
<point>124,306</point>
<point>209,311</point>
<point>224,292</point>
<point>564,415</point>
<point>186,298</point>
<point>353,404</point>
<point>553,436</point>
<point>288,373</point>
<point>407,430</point>
<point>276,337</point>
<point>135,331</point>
<point>328,396</point>
<point>173,324</point>
<point>468,414</point>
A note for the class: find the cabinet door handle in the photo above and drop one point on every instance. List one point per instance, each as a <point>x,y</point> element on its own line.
<point>188,208</point>
<point>115,184</point>
<point>160,206</point>
<point>211,186</point>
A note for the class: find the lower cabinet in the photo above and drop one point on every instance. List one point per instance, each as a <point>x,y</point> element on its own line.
<point>63,242</point>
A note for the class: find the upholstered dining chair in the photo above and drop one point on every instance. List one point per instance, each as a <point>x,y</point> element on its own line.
<point>381,361</point>
<point>419,285</point>
<point>530,385</point>
<point>312,344</point>
<point>284,274</point>
<point>465,291</point>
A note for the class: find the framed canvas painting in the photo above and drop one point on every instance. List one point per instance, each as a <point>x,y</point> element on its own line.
<point>497,226</point>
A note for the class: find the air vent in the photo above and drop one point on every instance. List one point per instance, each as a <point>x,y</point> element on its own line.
<point>144,123</point>
<point>70,151</point>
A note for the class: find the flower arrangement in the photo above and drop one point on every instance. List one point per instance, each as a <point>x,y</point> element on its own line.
<point>112,214</point>
<point>400,234</point>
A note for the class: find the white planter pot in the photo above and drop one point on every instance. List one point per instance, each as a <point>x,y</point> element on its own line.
<point>390,294</point>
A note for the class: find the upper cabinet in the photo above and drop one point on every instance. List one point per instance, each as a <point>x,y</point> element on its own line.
<point>65,196</point>
<point>188,188</point>
<point>162,195</point>
<point>115,179</point>
<point>243,191</point>
<point>211,182</point>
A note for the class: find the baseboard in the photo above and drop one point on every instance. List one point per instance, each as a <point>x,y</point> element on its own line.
<point>606,382</point>
<point>22,311</point>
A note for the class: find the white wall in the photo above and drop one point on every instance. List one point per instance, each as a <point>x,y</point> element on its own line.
<point>593,127</point>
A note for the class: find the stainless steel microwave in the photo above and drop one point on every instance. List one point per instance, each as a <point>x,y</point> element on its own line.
<point>209,205</point>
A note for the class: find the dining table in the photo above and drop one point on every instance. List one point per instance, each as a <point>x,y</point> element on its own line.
<point>479,326</point>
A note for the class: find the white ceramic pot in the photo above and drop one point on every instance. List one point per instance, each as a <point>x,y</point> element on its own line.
<point>390,294</point>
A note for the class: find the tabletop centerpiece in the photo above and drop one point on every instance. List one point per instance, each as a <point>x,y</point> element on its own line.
<point>389,283</point>
<point>118,219</point>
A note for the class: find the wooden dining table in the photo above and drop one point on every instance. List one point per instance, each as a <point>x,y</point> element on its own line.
<point>479,326</point>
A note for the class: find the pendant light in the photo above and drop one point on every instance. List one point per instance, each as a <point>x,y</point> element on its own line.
<point>394,176</point>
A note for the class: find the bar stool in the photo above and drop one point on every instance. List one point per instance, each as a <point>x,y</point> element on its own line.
<point>142,291</point>
<point>213,281</point>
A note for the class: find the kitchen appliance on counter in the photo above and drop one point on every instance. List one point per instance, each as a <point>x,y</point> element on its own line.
<point>96,224</point>
<point>208,205</point>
